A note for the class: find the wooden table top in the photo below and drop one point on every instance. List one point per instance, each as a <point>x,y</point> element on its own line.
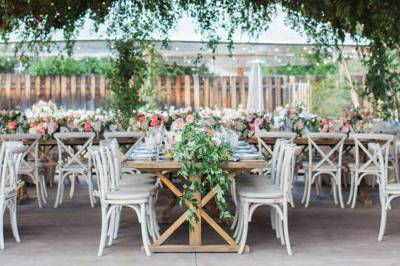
<point>174,165</point>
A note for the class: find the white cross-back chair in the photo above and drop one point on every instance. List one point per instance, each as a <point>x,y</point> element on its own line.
<point>258,180</point>
<point>114,197</point>
<point>74,162</point>
<point>274,195</point>
<point>324,160</point>
<point>266,149</point>
<point>136,181</point>
<point>120,136</point>
<point>11,154</point>
<point>394,150</point>
<point>370,166</point>
<point>31,163</point>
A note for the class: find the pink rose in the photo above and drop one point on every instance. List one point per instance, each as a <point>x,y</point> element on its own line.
<point>345,129</point>
<point>249,118</point>
<point>87,127</point>
<point>42,128</point>
<point>12,125</point>
<point>267,118</point>
<point>154,121</point>
<point>180,123</point>
<point>190,119</point>
<point>253,127</point>
<point>141,117</point>
<point>325,128</point>
<point>258,122</point>
<point>33,124</point>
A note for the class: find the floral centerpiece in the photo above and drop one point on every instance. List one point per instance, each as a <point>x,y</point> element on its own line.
<point>357,120</point>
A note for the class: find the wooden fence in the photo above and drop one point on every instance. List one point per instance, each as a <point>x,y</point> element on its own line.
<point>90,92</point>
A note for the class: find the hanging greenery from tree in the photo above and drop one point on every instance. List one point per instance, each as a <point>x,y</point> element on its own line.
<point>326,23</point>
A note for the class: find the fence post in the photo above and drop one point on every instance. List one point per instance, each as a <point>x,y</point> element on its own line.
<point>27,91</point>
<point>196,92</point>
<point>187,91</point>
<point>206,91</point>
<point>73,91</point>
<point>92,92</point>
<point>83,92</point>
<point>17,91</point>
<point>224,92</point>
<point>233,90</point>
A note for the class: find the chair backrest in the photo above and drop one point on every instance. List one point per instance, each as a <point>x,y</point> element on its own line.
<point>326,154</point>
<point>266,149</point>
<point>66,154</point>
<point>116,157</point>
<point>376,150</point>
<point>361,143</point>
<point>285,167</point>
<point>276,157</point>
<point>11,154</point>
<point>104,163</point>
<point>32,153</point>
<point>119,136</point>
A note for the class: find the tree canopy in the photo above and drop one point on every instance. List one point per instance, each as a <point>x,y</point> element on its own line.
<point>327,23</point>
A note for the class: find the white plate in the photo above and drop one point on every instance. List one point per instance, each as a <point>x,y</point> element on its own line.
<point>252,156</point>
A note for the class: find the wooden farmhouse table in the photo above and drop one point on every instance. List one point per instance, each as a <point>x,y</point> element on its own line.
<point>195,238</point>
<point>47,147</point>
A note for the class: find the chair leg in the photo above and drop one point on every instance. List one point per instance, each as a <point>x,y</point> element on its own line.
<point>235,218</point>
<point>318,187</point>
<point>349,200</point>
<point>13,220</point>
<point>308,193</point>
<point>286,229</point>
<point>43,189</point>
<point>383,221</point>
<point>305,188</point>
<point>117,222</point>
<point>73,183</point>
<point>245,227</point>
<point>143,226</point>
<point>355,191</point>
<point>339,191</point>
<point>38,192</point>
<point>1,225</point>
<point>59,190</point>
<point>334,190</point>
<point>104,230</point>
<point>272,213</point>
<point>237,234</point>
<point>90,188</point>
<point>279,229</point>
<point>111,226</point>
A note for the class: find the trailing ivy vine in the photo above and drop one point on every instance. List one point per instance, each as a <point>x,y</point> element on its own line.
<point>201,155</point>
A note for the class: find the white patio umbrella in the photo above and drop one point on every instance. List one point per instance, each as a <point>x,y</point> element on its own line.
<point>255,99</point>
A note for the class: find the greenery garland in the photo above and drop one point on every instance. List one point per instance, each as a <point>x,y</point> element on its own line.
<point>201,155</point>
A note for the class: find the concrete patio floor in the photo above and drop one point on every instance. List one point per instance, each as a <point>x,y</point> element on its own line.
<point>323,234</point>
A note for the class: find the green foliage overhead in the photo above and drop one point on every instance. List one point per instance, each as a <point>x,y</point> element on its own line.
<point>326,23</point>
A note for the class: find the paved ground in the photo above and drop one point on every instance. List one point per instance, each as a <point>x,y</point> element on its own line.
<point>321,235</point>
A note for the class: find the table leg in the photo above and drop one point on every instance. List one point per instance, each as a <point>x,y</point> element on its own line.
<point>195,237</point>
